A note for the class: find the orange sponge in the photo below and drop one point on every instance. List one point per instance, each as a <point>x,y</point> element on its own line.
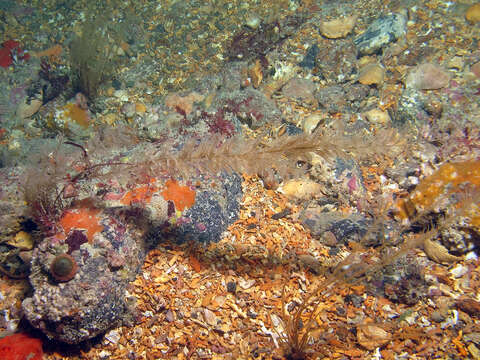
<point>141,194</point>
<point>77,114</point>
<point>83,218</point>
<point>450,178</point>
<point>182,196</point>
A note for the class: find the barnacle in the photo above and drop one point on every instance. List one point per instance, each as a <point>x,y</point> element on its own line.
<point>63,268</point>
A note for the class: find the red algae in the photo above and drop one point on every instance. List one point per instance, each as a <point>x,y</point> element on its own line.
<point>7,51</point>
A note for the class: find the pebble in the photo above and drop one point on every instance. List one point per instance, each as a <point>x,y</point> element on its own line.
<point>310,262</point>
<point>255,74</point>
<point>303,189</point>
<point>473,13</point>
<point>209,317</point>
<point>113,336</point>
<point>371,74</point>
<point>456,63</point>
<point>169,316</point>
<point>308,61</point>
<point>372,336</point>
<point>459,270</point>
<point>384,30</point>
<point>174,120</point>
<point>427,77</point>
<point>300,90</point>
<point>110,118</point>
<point>328,238</point>
<point>110,91</point>
<point>246,284</point>
<point>437,316</point>
<point>119,51</point>
<point>231,287</point>
<point>310,123</point>
<point>28,108</point>
<point>377,116</point>
<point>122,95</point>
<point>253,21</point>
<point>476,69</point>
<point>22,240</point>
<point>140,108</point>
<point>128,109</point>
<point>337,28</point>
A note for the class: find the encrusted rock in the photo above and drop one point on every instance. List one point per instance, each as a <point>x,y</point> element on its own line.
<point>337,61</point>
<point>384,30</point>
<point>77,306</point>
<point>337,98</point>
<point>345,228</point>
<point>412,107</point>
<point>80,275</point>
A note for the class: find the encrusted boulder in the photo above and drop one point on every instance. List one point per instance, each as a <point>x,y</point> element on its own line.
<point>80,274</point>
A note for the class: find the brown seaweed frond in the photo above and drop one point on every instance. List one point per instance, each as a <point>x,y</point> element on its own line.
<point>42,186</point>
<point>217,154</point>
<point>255,156</point>
<point>48,177</point>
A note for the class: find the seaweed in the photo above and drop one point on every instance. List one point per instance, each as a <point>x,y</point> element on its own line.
<point>300,325</point>
<point>54,179</point>
<point>51,186</point>
<point>91,59</point>
<point>258,156</point>
<point>250,43</point>
<point>53,83</point>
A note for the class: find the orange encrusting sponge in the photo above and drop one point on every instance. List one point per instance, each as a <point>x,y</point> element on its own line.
<point>182,196</point>
<point>83,218</point>
<point>141,194</point>
<point>77,114</point>
<point>448,179</point>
